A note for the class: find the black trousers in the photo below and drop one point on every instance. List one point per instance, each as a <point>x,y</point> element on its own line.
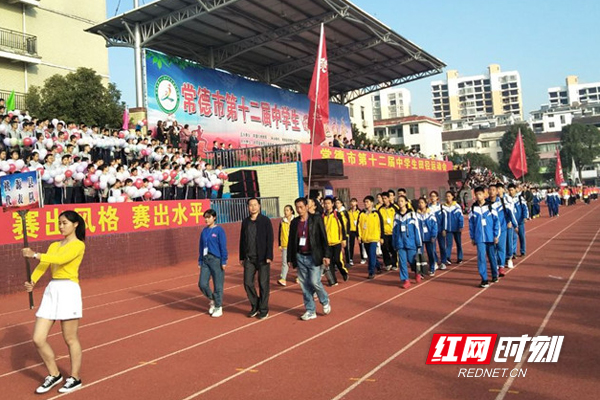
<point>336,261</point>
<point>258,302</point>
<point>353,239</point>
<point>390,256</point>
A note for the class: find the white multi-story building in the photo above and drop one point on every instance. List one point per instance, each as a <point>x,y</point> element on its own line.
<point>482,141</point>
<point>424,134</point>
<point>387,103</point>
<point>554,118</point>
<point>574,93</point>
<point>467,98</point>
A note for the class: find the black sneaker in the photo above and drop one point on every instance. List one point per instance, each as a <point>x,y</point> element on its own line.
<point>70,385</point>
<point>371,276</point>
<point>252,313</point>
<point>459,262</point>
<point>379,271</point>
<point>49,382</point>
<point>346,277</point>
<point>484,284</point>
<point>495,279</point>
<point>263,315</point>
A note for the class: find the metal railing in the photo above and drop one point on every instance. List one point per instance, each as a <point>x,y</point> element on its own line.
<point>249,156</point>
<point>18,41</point>
<point>235,210</point>
<point>19,98</point>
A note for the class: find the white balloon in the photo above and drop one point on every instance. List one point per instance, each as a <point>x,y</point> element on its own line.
<point>112,180</point>
<point>59,184</point>
<point>94,178</point>
<point>112,199</point>
<point>121,199</point>
<point>103,185</point>
<point>157,195</point>
<point>59,178</point>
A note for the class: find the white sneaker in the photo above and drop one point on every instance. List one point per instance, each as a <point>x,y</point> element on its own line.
<point>211,307</point>
<point>509,264</point>
<point>327,308</point>
<point>363,261</point>
<point>308,315</point>
<point>388,267</point>
<point>217,313</point>
<point>436,267</point>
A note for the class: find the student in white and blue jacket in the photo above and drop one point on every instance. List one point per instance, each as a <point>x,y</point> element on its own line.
<point>510,206</point>
<point>212,261</point>
<point>406,239</point>
<point>453,225</point>
<point>428,226</point>
<point>484,230</point>
<point>521,215</point>
<point>435,207</point>
<point>506,218</point>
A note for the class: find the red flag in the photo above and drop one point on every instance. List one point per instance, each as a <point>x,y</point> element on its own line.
<point>558,175</point>
<point>518,160</point>
<point>318,94</point>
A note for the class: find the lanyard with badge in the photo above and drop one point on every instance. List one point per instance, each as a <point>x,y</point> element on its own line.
<point>302,241</point>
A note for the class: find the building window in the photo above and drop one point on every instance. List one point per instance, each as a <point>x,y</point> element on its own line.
<point>416,147</point>
<point>362,113</point>
<point>499,155</point>
<point>485,145</point>
<point>351,108</point>
<point>551,124</point>
<point>458,145</point>
<point>414,129</point>
<point>562,119</point>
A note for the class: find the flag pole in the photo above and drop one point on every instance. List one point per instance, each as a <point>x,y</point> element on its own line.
<point>312,133</point>
<point>522,164</point>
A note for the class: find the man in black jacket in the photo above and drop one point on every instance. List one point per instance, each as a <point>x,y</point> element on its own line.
<point>307,250</point>
<point>256,254</point>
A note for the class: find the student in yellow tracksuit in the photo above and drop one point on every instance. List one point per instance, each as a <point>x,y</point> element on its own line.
<point>388,212</point>
<point>284,233</point>
<point>341,210</point>
<point>336,236</point>
<point>370,233</point>
<point>353,214</point>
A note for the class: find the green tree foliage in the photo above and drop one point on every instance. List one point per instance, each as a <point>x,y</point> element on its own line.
<point>78,96</point>
<point>477,160</point>
<point>531,151</point>
<point>580,143</point>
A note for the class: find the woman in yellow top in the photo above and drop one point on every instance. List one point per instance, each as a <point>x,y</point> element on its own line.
<point>61,300</point>
<point>284,233</point>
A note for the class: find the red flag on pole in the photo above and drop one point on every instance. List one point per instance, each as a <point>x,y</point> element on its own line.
<point>518,160</point>
<point>558,175</point>
<point>318,94</point>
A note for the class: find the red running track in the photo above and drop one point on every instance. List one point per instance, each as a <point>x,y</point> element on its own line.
<point>147,336</point>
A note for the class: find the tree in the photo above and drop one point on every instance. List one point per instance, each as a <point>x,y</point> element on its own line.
<point>580,143</point>
<point>78,96</point>
<point>531,151</point>
<point>476,160</point>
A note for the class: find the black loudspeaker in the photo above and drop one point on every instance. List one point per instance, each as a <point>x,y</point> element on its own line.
<point>244,195</point>
<point>457,175</point>
<point>244,183</point>
<point>326,167</point>
<point>243,175</point>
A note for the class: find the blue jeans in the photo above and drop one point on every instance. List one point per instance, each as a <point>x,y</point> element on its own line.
<point>309,276</point>
<point>406,256</point>
<point>372,255</point>
<point>431,256</point>
<point>501,248</point>
<point>509,243</point>
<point>520,237</point>
<point>442,243</point>
<point>488,249</point>
<point>211,267</point>
<point>457,236</point>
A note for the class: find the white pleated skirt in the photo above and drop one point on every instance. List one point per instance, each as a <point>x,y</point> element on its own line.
<point>61,301</point>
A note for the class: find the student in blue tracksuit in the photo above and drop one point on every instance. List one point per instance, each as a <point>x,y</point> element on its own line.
<point>453,225</point>
<point>484,230</point>
<point>428,226</point>
<point>521,215</point>
<point>406,239</point>
<point>506,218</point>
<point>535,207</point>
<point>212,261</point>
<point>510,231</point>
<point>435,207</point>
<point>556,202</point>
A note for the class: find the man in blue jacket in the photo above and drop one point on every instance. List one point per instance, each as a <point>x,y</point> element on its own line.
<point>484,230</point>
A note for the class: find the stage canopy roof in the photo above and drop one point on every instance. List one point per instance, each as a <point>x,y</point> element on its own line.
<point>276,41</point>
